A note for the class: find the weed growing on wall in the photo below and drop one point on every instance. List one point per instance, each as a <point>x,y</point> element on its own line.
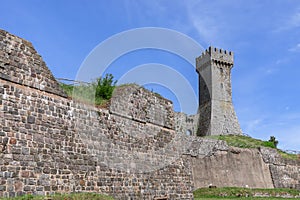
<point>104,86</point>
<point>99,90</point>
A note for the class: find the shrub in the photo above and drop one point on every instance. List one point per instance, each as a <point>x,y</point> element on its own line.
<point>105,86</point>
<point>274,141</point>
<point>268,144</point>
<point>100,90</point>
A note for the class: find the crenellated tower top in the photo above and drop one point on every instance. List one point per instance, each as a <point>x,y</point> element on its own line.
<point>215,55</point>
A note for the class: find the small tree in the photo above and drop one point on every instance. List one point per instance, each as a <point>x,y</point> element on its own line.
<point>274,141</point>
<point>105,86</point>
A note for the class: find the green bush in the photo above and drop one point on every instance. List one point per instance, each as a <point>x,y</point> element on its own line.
<point>268,144</point>
<point>99,90</point>
<point>105,86</point>
<point>274,141</point>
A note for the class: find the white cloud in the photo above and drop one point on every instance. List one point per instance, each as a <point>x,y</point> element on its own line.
<point>204,21</point>
<point>251,125</point>
<point>206,29</point>
<point>271,69</point>
<point>294,21</point>
<point>282,61</point>
<point>284,127</point>
<point>295,48</point>
<point>288,137</point>
<point>222,23</point>
<point>291,22</point>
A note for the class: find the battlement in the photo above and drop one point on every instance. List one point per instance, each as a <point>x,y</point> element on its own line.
<point>215,54</point>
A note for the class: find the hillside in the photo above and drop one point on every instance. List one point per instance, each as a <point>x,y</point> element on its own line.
<point>243,141</point>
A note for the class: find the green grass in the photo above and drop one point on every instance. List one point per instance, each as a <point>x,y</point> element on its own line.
<point>256,198</point>
<point>74,196</point>
<point>95,93</point>
<point>128,85</point>
<point>68,89</point>
<point>98,92</point>
<point>243,141</point>
<point>244,193</point>
<point>202,193</point>
<point>83,93</point>
<point>248,142</point>
<point>288,155</point>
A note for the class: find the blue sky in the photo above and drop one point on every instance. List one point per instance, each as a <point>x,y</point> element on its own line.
<point>264,36</point>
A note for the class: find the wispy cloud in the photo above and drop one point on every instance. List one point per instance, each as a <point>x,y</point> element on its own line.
<point>295,48</point>
<point>205,22</point>
<point>279,64</point>
<point>206,28</point>
<point>288,137</point>
<point>285,128</point>
<point>222,23</point>
<point>282,61</point>
<point>294,21</point>
<point>289,23</point>
<point>252,125</point>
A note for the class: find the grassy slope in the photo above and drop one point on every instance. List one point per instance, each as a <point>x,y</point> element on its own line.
<point>246,193</point>
<point>248,142</point>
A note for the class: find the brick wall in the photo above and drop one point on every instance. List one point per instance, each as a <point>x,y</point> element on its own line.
<point>50,144</point>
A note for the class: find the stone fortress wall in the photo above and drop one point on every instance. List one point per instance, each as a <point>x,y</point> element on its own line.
<point>135,149</point>
<point>21,64</point>
<point>186,124</point>
<point>50,144</point>
<point>217,164</point>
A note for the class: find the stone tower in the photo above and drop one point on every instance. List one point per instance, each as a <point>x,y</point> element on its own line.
<point>217,115</point>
